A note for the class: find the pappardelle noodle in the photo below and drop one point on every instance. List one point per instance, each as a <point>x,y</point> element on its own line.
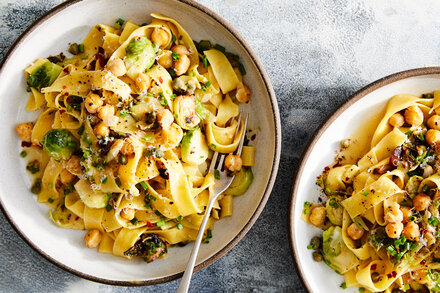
<point>127,129</point>
<point>380,213</point>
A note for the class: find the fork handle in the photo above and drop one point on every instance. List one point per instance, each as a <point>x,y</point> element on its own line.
<point>186,278</point>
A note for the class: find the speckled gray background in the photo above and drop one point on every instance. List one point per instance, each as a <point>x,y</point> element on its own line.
<point>317,53</point>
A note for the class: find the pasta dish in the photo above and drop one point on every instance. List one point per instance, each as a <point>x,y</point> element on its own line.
<point>380,210</point>
<point>126,130</point>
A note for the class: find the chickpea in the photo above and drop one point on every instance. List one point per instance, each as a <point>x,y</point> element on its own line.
<point>428,171</point>
<point>128,214</point>
<point>406,212</point>
<point>393,214</point>
<point>24,131</point>
<point>74,165</point>
<point>233,163</point>
<point>413,115</point>
<point>434,122</point>
<point>165,59</point>
<point>93,238</point>
<point>93,103</point>
<point>180,49</point>
<point>354,232</point>
<point>420,276</point>
<point>101,129</point>
<point>317,216</point>
<point>128,148</point>
<point>165,118</point>
<point>66,176</point>
<point>396,120</point>
<point>411,231</point>
<point>143,82</point>
<point>421,202</point>
<point>117,67</point>
<point>182,64</point>
<point>160,37</point>
<point>106,111</point>
<point>394,229</point>
<point>432,136</point>
<point>243,93</point>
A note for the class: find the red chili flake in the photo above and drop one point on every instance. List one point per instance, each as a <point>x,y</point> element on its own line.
<point>373,267</point>
<point>138,38</point>
<point>26,144</point>
<point>64,87</point>
<point>423,262</point>
<point>149,224</point>
<point>77,218</point>
<point>62,111</point>
<point>394,274</point>
<point>347,178</point>
<point>327,168</point>
<point>390,275</point>
<point>160,79</point>
<point>66,69</point>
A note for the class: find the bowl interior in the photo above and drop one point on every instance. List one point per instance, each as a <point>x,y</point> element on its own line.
<point>66,247</point>
<point>322,152</point>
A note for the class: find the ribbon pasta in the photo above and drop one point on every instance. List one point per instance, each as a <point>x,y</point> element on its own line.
<point>126,133</point>
<point>386,204</point>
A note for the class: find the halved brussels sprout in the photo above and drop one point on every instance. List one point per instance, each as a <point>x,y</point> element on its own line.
<point>185,112</point>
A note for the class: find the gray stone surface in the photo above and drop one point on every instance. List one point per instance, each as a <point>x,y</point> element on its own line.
<point>317,53</point>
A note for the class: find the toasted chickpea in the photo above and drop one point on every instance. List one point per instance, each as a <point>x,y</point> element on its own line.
<point>434,122</point>
<point>406,212</point>
<point>396,120</point>
<point>128,214</point>
<point>160,37</point>
<point>74,165</point>
<point>128,148</point>
<point>117,67</point>
<point>317,216</point>
<point>143,81</point>
<point>24,131</point>
<point>432,136</point>
<point>420,276</point>
<point>411,231</point>
<point>413,115</point>
<point>233,163</point>
<point>180,49</point>
<point>106,111</point>
<point>165,118</point>
<point>66,176</point>
<point>182,64</point>
<point>165,59</point>
<point>243,93</point>
<point>421,202</point>
<point>393,214</point>
<point>93,238</point>
<point>394,229</point>
<point>428,171</point>
<point>355,232</point>
<point>93,103</point>
<point>101,129</point>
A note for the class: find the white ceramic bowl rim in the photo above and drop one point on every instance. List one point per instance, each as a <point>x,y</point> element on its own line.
<point>272,177</point>
<point>317,135</point>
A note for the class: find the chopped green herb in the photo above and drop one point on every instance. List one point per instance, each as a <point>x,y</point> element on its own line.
<point>404,203</point>
<point>400,241</point>
<point>134,221</point>
<point>108,208</point>
<point>242,69</point>
<point>412,218</point>
<point>23,154</point>
<point>152,198</point>
<point>119,23</point>
<point>164,102</point>
<point>307,205</point>
<point>179,218</point>
<point>425,188</point>
<point>81,48</point>
<point>150,95</point>
<point>344,286</point>
<point>173,38</point>
<point>391,250</point>
<point>104,179</point>
<point>148,137</point>
<point>50,200</point>
<point>179,226</point>
<point>69,189</point>
<point>160,223</point>
<point>51,185</point>
<point>310,246</point>
<point>144,185</point>
<point>191,73</point>
<point>175,56</point>
<point>365,193</point>
<point>118,182</point>
<point>433,221</point>
<point>217,174</point>
<point>220,48</point>
<point>361,290</point>
<point>421,136</point>
<point>409,132</point>
<point>213,146</point>
<point>173,96</point>
<point>123,113</point>
<point>205,62</point>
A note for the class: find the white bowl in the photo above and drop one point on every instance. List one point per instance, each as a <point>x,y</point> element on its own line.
<point>70,22</point>
<point>362,106</point>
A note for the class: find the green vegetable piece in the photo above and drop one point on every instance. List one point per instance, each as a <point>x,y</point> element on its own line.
<point>140,56</point>
<point>336,254</point>
<point>194,148</point>
<point>44,75</point>
<point>60,144</point>
<point>241,182</point>
<point>200,110</point>
<point>64,218</point>
<point>334,210</point>
<point>92,199</point>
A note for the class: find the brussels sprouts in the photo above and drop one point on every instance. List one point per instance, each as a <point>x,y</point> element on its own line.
<point>44,75</point>
<point>60,144</point>
<point>334,210</point>
<point>336,253</point>
<point>185,111</point>
<point>140,56</point>
<point>241,182</point>
<point>332,241</point>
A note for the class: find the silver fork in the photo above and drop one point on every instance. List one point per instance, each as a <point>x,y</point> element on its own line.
<point>221,183</point>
